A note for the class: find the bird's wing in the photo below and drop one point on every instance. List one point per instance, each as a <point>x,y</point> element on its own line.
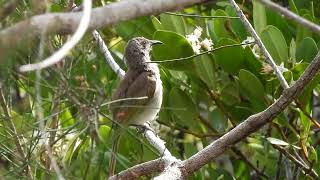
<point>142,86</point>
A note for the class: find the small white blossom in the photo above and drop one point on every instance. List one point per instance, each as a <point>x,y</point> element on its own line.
<point>207,44</point>
<point>194,41</point>
<point>256,51</point>
<point>198,31</point>
<point>282,69</point>
<point>248,40</point>
<point>192,38</point>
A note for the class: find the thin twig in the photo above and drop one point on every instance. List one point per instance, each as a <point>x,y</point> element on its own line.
<point>12,127</point>
<point>65,49</point>
<point>103,47</point>
<point>196,55</point>
<point>269,59</point>
<point>292,16</point>
<point>307,169</point>
<point>199,16</point>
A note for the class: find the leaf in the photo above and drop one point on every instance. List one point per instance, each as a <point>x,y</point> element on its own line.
<point>231,59</point>
<point>141,26</point>
<point>275,44</point>
<point>252,64</point>
<point>221,26</point>
<point>183,107</point>
<point>230,94</point>
<point>259,16</point>
<point>174,46</point>
<point>306,50</point>
<point>293,7</point>
<point>104,132</point>
<point>292,50</point>
<point>205,69</point>
<point>156,23</point>
<point>237,27</point>
<point>276,141</point>
<point>218,120</point>
<point>252,88</point>
<point>173,23</point>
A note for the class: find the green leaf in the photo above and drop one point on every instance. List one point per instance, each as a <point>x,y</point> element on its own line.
<point>293,7</point>
<point>104,132</point>
<point>237,27</point>
<point>292,50</point>
<point>65,117</point>
<point>173,23</point>
<point>221,26</point>
<point>141,26</point>
<point>306,50</point>
<point>183,107</point>
<point>252,88</point>
<point>302,31</point>
<point>259,16</point>
<point>276,141</point>
<point>156,23</point>
<point>231,59</point>
<point>275,44</point>
<point>230,94</point>
<point>205,69</point>
<point>252,64</point>
<point>174,46</point>
<point>218,120</point>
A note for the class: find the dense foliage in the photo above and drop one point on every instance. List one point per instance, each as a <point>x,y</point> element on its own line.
<point>205,94</point>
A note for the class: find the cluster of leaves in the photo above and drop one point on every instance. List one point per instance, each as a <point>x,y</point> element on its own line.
<point>204,95</point>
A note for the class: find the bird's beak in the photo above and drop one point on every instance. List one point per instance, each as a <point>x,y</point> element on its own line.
<point>155,42</point>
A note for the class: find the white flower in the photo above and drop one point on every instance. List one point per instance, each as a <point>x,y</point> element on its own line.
<point>282,69</point>
<point>194,41</point>
<point>197,32</point>
<point>256,51</point>
<point>192,38</point>
<point>207,44</point>
<point>248,40</point>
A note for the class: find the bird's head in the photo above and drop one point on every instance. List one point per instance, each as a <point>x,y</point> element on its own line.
<point>138,51</point>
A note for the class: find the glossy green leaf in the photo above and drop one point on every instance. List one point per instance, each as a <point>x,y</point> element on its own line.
<point>275,44</point>
<point>252,88</point>
<point>231,59</point>
<point>306,50</point>
<point>237,26</point>
<point>139,27</point>
<point>182,106</point>
<point>173,23</point>
<point>293,6</point>
<point>156,23</point>
<point>218,120</point>
<point>174,46</point>
<point>205,69</point>
<point>230,94</point>
<point>292,50</point>
<point>259,16</point>
<point>221,26</point>
<point>104,132</point>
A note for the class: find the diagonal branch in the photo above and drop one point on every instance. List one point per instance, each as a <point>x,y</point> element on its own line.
<point>67,23</point>
<point>247,127</point>
<point>292,16</point>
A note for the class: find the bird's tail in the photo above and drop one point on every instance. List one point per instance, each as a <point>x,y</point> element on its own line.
<point>113,159</point>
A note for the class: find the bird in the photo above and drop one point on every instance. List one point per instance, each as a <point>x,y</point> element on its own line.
<point>138,97</point>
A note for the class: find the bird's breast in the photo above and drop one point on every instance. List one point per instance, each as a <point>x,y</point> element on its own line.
<point>152,108</point>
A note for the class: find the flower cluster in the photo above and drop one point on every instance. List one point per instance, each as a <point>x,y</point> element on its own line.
<point>196,44</point>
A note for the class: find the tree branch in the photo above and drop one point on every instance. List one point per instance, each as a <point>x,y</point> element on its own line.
<point>67,23</point>
<point>254,122</point>
<point>292,16</point>
<point>247,127</point>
